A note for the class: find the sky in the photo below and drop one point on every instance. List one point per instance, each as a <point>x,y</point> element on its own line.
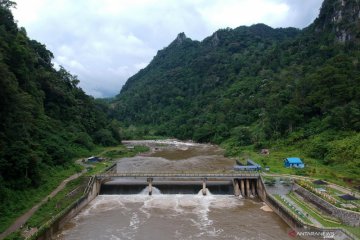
<point>104,42</point>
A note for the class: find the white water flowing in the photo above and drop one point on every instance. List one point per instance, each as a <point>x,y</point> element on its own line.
<point>155,191</point>
<point>170,216</point>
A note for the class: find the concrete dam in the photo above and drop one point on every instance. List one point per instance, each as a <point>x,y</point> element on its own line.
<point>239,184</point>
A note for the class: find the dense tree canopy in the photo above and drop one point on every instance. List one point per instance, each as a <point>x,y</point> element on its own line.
<point>253,84</point>
<point>45,118</point>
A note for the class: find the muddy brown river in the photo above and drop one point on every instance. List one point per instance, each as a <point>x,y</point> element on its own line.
<point>175,216</point>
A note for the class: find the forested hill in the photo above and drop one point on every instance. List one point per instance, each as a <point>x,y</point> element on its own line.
<point>45,119</point>
<point>255,84</point>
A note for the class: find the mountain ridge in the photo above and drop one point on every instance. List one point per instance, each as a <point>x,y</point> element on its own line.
<point>255,85</point>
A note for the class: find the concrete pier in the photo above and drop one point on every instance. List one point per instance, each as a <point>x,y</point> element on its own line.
<point>236,187</point>
<point>242,187</point>
<point>253,188</point>
<point>204,187</point>
<point>247,188</point>
<point>261,192</point>
<point>150,180</point>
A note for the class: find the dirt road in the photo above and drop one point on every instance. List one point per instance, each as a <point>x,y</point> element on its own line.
<point>20,221</point>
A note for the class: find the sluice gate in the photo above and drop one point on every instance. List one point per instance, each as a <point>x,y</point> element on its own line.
<point>245,185</point>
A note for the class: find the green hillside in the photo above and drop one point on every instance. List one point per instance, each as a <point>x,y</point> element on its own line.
<point>45,119</point>
<point>258,86</point>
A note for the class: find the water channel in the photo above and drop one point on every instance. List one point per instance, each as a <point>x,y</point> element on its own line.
<point>175,216</point>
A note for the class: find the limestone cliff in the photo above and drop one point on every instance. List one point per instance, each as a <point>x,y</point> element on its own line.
<point>341,18</point>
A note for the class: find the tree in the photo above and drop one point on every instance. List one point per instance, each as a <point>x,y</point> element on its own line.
<point>104,137</point>
<point>7,4</point>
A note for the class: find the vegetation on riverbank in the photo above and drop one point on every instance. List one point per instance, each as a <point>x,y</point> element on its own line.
<point>72,191</point>
<point>322,219</point>
<point>112,153</point>
<point>17,202</point>
<point>68,195</point>
<point>330,195</point>
<point>341,163</point>
<point>52,207</point>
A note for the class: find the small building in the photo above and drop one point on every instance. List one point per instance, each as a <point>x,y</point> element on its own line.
<point>250,166</point>
<point>293,162</point>
<point>93,159</point>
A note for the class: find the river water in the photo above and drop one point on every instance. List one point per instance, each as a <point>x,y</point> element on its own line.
<point>175,216</point>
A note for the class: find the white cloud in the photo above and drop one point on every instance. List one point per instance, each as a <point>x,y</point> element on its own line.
<point>121,71</point>
<point>139,66</point>
<point>105,42</point>
<point>65,50</point>
<point>245,12</point>
<point>27,11</point>
<point>76,65</point>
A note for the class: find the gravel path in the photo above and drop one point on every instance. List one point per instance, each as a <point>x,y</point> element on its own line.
<point>20,221</point>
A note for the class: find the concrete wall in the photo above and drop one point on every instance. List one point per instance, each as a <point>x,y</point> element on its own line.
<point>298,226</point>
<point>292,220</point>
<point>261,190</point>
<point>48,231</point>
<point>348,217</point>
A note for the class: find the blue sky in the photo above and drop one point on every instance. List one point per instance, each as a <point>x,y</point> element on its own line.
<point>105,42</point>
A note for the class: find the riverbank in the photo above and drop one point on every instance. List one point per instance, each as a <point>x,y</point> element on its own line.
<point>46,197</point>
<point>308,213</point>
<point>341,175</point>
<point>24,201</point>
<point>20,222</point>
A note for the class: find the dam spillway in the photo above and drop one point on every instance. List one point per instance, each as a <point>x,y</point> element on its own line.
<point>175,210</point>
<point>167,187</point>
<point>222,185</point>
